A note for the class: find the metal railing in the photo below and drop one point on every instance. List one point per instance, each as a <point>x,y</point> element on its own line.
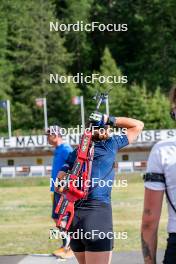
<point>40,171</point>
<point>12,171</point>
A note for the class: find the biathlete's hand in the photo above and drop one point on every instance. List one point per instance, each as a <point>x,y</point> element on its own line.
<point>98,118</point>
<point>58,188</point>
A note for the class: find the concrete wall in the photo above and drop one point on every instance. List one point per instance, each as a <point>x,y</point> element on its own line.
<point>47,160</point>
<point>27,161</point>
<point>134,156</point>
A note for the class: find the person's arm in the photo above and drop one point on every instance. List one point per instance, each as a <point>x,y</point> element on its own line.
<point>134,127</point>
<point>154,191</point>
<point>65,168</point>
<point>150,222</point>
<point>68,165</point>
<point>67,162</point>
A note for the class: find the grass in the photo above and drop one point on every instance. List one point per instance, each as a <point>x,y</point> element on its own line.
<point>25,209</point>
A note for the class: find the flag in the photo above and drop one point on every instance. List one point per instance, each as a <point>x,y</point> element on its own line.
<point>76,100</point>
<point>3,104</point>
<point>39,102</point>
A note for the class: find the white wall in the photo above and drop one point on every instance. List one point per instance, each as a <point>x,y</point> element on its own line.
<point>26,161</point>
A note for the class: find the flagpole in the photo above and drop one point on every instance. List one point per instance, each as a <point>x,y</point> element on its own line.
<point>107,105</point>
<point>9,119</point>
<point>82,112</point>
<point>45,113</point>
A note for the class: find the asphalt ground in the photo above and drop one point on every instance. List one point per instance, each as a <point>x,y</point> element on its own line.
<point>123,257</point>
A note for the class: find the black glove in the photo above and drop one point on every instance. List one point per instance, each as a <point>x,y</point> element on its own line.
<point>97,119</point>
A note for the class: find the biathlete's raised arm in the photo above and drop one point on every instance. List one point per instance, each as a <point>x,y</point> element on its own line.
<point>134,127</point>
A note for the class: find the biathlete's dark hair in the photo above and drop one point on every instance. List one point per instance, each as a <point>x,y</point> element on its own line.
<point>100,134</point>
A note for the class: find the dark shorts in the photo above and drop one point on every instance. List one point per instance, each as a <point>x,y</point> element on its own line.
<point>55,202</point>
<point>92,227</point>
<point>170,254</point>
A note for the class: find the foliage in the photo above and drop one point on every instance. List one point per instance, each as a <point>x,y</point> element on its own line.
<point>29,52</point>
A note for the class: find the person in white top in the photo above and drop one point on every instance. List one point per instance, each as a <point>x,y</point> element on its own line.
<point>160,177</point>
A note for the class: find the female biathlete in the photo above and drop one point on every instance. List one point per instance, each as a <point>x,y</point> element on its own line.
<point>94,215</point>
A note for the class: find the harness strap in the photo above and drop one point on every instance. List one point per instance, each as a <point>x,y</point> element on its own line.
<point>154,177</point>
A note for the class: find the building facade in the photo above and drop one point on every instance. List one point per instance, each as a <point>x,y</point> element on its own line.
<point>27,151</point>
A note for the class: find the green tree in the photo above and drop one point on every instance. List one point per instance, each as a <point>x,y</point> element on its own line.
<point>117,90</point>
<point>5,65</point>
<point>147,51</point>
<point>77,42</point>
<point>152,109</point>
<point>136,103</point>
<point>35,53</point>
<point>158,116</point>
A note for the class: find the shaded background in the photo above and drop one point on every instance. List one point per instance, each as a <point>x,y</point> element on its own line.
<point>29,52</point>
